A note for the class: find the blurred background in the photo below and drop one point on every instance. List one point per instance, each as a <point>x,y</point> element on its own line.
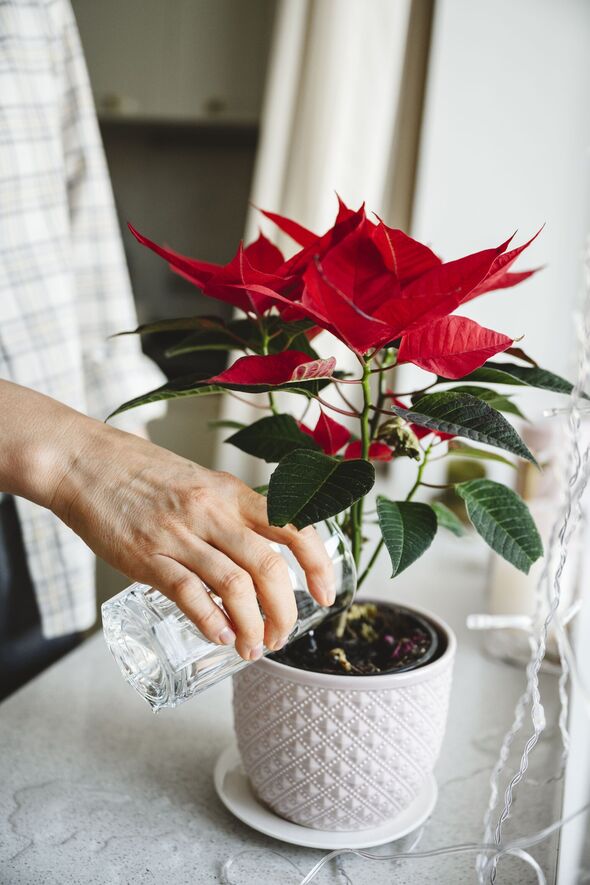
<point>456,121</point>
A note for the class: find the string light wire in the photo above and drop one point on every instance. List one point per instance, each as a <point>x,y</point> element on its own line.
<point>548,597</point>
<point>516,848</point>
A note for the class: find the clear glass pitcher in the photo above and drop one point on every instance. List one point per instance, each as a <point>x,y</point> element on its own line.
<point>167,660</point>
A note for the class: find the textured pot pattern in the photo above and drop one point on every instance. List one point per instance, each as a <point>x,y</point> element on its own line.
<point>341,752</point>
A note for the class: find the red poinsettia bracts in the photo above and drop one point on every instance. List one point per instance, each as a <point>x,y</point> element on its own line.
<point>378,451</point>
<point>368,284</point>
<point>249,281</point>
<point>392,301</point>
<point>452,346</point>
<point>332,436</point>
<point>274,370</point>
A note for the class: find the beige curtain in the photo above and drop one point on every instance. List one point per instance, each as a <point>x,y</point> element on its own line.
<point>341,114</point>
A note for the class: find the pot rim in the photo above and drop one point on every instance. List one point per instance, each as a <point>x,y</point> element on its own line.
<point>373,682</point>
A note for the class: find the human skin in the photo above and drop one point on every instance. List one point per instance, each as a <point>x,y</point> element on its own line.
<point>161,519</point>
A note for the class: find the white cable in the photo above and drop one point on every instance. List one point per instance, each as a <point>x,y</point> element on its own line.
<point>550,580</point>
<point>516,847</point>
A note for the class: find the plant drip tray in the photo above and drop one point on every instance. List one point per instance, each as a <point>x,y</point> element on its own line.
<point>234,790</point>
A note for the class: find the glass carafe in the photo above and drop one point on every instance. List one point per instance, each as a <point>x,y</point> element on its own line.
<point>167,660</point>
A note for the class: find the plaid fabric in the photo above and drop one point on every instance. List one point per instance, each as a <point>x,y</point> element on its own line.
<point>64,286</point>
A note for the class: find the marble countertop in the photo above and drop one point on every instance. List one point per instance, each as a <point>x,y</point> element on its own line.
<point>96,789</point>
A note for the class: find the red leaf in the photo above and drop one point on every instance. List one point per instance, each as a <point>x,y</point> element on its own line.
<point>289,309</point>
<point>196,271</point>
<point>202,273</point>
<point>297,232</point>
<point>330,435</point>
<point>346,221</point>
<point>274,369</point>
<point>505,281</point>
<point>257,287</point>
<point>338,314</point>
<point>406,257</point>
<point>264,255</point>
<point>498,276</point>
<point>378,451</point>
<point>356,267</point>
<point>438,292</point>
<point>452,346</point>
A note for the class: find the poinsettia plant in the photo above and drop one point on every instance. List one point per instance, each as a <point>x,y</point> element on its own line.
<point>390,300</point>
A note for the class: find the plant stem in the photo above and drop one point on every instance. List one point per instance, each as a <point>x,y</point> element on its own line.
<point>415,392</point>
<point>419,474</point>
<point>370,564</point>
<point>388,363</point>
<point>357,509</point>
<point>265,339</point>
<point>327,405</point>
<point>272,404</point>
<point>248,402</point>
<point>343,397</point>
<point>409,497</point>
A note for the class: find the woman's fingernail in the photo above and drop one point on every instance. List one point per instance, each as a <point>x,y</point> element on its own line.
<point>330,596</point>
<point>256,652</point>
<point>281,642</point>
<point>227,636</point>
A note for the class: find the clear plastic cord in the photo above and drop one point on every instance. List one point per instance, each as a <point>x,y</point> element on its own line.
<point>549,588</point>
<point>517,848</point>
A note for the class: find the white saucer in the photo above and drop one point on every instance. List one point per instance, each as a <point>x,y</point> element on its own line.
<point>234,790</point>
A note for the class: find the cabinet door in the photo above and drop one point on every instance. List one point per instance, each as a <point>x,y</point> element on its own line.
<point>177,60</point>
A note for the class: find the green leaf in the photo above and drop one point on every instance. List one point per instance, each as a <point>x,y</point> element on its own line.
<point>225,425</point>
<point>308,487</point>
<point>179,324</point>
<point>529,376</point>
<point>262,490</point>
<point>193,385</point>
<point>296,342</point>
<point>463,451</point>
<point>464,415</point>
<point>446,518</point>
<point>290,336</point>
<point>503,520</point>
<point>167,391</point>
<point>408,529</point>
<point>235,335</point>
<point>272,437</point>
<point>496,400</point>
<point>520,354</point>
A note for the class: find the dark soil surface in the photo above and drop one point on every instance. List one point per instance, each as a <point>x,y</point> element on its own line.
<point>376,639</point>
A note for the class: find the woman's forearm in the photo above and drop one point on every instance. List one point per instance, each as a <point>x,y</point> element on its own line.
<point>37,440</point>
<point>161,519</point>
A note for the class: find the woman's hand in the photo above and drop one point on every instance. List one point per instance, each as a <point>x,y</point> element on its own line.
<point>161,519</point>
<point>165,521</point>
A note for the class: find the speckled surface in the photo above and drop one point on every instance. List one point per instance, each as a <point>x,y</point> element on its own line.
<point>96,789</point>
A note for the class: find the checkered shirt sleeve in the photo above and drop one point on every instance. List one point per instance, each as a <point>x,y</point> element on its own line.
<point>64,287</point>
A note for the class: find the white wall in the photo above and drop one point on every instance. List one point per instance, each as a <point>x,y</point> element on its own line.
<point>506,145</point>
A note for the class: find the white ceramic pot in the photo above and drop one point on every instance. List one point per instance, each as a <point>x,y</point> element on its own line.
<point>342,752</point>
